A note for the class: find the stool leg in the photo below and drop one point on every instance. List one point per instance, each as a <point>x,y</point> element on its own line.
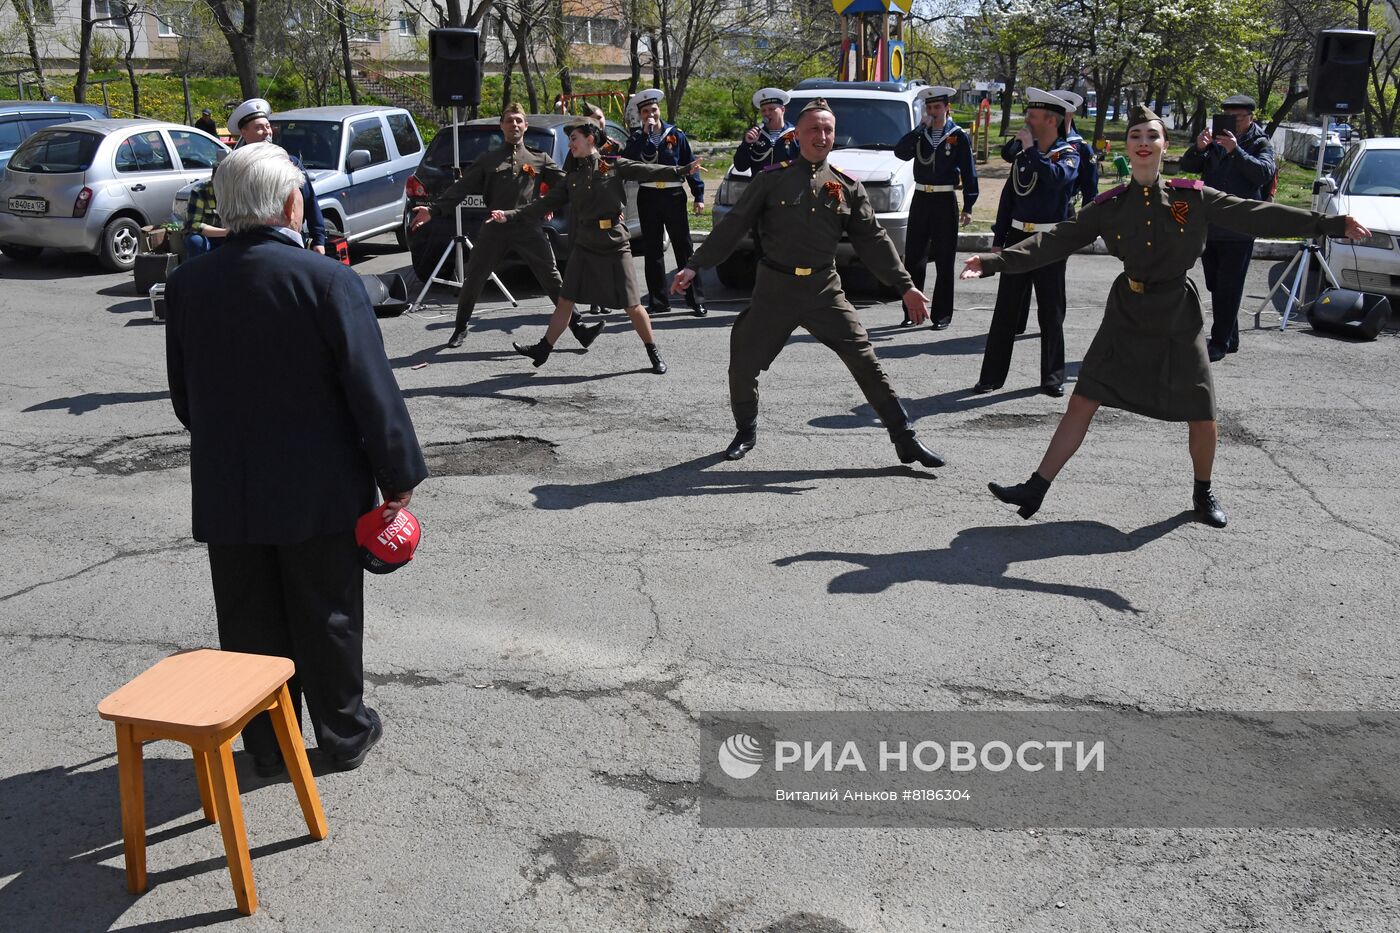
<point>284,723</point>
<point>206,786</point>
<point>230,810</point>
<point>133,794</point>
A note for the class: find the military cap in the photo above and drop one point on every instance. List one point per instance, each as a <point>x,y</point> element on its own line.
<point>1240,100</point>
<point>816,103</point>
<point>1141,113</point>
<point>1036,99</point>
<point>207,112</point>
<point>249,110</point>
<point>1074,100</point>
<point>770,95</point>
<point>937,92</point>
<point>650,96</point>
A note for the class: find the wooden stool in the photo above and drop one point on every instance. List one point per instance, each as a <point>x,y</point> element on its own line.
<point>204,698</point>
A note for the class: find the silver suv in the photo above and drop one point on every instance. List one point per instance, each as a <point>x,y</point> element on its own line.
<point>90,187</point>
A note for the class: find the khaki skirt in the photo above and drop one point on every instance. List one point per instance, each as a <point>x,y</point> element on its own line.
<point>604,279</point>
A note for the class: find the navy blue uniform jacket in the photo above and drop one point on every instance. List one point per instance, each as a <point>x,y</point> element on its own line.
<point>277,367</point>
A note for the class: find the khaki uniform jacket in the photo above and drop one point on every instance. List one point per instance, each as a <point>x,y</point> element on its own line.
<point>802,210</point>
<point>1149,355</point>
<point>508,177</point>
<point>596,195</point>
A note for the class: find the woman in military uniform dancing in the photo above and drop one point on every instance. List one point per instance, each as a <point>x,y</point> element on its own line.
<point>600,266</point>
<point>1149,355</point>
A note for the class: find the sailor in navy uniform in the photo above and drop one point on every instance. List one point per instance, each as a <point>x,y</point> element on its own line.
<point>772,141</point>
<point>661,204</point>
<point>942,155</point>
<point>1044,175</point>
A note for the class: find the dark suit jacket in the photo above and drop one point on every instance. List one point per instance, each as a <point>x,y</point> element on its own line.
<point>277,366</point>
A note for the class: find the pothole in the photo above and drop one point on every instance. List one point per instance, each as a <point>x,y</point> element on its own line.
<point>123,456</point>
<point>488,456</point>
<point>1003,419</point>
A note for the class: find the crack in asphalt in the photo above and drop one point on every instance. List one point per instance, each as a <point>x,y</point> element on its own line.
<point>186,545</point>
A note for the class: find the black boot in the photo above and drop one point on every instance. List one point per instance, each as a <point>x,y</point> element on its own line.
<point>585,334</point>
<point>538,352</point>
<point>908,321</point>
<point>743,442</point>
<point>1028,495</point>
<point>906,446</point>
<point>1206,506</point>
<point>457,337</point>
<point>658,365</point>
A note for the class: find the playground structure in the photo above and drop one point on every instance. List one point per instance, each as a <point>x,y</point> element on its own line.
<point>872,39</point>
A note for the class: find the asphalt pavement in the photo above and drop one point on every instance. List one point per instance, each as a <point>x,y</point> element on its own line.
<point>593,576</point>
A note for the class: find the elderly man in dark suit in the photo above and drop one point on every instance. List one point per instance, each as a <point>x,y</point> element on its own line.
<point>277,367</point>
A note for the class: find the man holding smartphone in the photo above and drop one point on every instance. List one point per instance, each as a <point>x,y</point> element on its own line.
<point>1233,156</point>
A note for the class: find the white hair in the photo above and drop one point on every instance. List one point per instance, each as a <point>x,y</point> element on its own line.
<point>253,184</point>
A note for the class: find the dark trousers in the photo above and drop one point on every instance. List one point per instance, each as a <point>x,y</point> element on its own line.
<point>197,244</point>
<point>489,247</point>
<point>933,233</point>
<point>305,602</point>
<point>781,304</point>
<point>1012,293</point>
<point>1226,263</point>
<point>663,211</point>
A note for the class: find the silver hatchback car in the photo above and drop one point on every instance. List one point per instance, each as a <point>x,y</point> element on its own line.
<point>89,187</point>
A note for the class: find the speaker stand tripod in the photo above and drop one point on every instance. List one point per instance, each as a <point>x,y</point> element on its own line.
<point>459,239</point>
<point>1299,267</point>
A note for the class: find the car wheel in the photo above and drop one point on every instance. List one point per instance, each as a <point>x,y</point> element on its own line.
<point>401,234</point>
<point>738,271</point>
<point>121,241</point>
<point>21,253</point>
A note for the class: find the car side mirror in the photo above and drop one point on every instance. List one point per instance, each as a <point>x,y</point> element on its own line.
<point>357,159</point>
<point>1325,185</point>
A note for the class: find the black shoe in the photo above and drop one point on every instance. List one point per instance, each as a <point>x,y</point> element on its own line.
<point>654,309</point>
<point>982,388</point>
<point>1021,494</point>
<point>658,365</point>
<point>1215,353</point>
<point>911,449</point>
<point>596,309</point>
<point>457,337</point>
<point>942,324</point>
<point>585,334</point>
<point>1055,390</point>
<point>1232,349</point>
<point>376,731</point>
<point>906,322</point>
<point>538,352</point>
<point>700,311</point>
<point>268,766</point>
<point>1208,510</point>
<point>743,443</point>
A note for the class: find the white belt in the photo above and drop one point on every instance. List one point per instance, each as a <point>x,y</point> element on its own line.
<point>661,184</point>
<point>1029,227</point>
<point>932,189</point>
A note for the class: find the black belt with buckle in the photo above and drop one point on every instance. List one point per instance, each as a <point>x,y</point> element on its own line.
<point>796,270</point>
<point>1165,285</point>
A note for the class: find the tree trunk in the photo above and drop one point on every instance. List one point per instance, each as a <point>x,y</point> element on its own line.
<point>655,62</point>
<point>242,43</point>
<point>560,44</point>
<point>131,68</point>
<point>31,38</point>
<point>454,13</point>
<point>1012,65</point>
<point>342,16</point>
<point>509,61</point>
<point>634,57</point>
<point>1294,95</point>
<point>80,81</point>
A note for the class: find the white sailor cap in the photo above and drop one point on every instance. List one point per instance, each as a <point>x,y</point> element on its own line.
<point>651,95</point>
<point>250,109</point>
<point>936,92</point>
<point>1075,100</point>
<point>1036,99</point>
<point>770,95</point>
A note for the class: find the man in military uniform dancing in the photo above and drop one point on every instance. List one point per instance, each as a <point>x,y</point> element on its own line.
<point>661,204</point>
<point>1036,198</point>
<point>508,177</point>
<point>802,211</point>
<point>942,155</point>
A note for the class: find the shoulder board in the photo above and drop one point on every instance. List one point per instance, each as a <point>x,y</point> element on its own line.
<point>842,175</point>
<point>776,165</point>
<point>1110,194</point>
<point>1189,184</point>
<point>1061,145</point>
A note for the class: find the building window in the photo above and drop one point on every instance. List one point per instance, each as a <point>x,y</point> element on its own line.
<point>43,12</point>
<point>408,24</point>
<point>364,29</point>
<point>113,14</point>
<point>584,30</point>
<point>166,29</point>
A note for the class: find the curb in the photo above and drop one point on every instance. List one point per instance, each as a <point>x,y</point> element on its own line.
<point>982,243</point>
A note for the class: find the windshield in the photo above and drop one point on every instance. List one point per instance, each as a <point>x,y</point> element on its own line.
<point>1377,174</point>
<point>475,140</point>
<point>56,152</point>
<point>862,123</point>
<point>315,142</point>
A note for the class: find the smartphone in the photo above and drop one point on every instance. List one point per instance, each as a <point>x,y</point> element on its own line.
<point>1222,123</point>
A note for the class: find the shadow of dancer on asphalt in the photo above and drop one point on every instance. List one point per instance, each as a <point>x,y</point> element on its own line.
<point>690,479</point>
<point>982,556</point>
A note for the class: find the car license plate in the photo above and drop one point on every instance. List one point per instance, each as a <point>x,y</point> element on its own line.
<point>474,200</point>
<point>29,205</point>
